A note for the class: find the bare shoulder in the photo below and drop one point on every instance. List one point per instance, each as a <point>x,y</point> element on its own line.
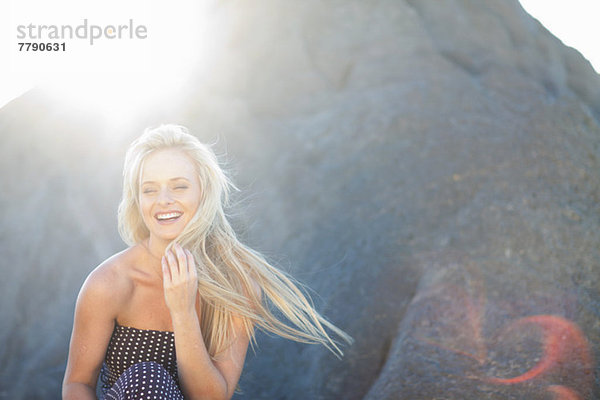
<point>110,283</point>
<point>102,296</point>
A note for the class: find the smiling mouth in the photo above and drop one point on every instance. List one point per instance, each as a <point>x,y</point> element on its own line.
<point>167,217</point>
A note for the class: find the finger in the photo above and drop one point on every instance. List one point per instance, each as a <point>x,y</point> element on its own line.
<point>181,259</point>
<point>166,272</point>
<point>190,262</point>
<point>172,263</point>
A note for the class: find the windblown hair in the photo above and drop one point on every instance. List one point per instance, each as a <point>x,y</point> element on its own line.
<point>228,270</point>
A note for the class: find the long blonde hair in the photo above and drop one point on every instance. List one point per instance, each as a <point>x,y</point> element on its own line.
<point>228,270</point>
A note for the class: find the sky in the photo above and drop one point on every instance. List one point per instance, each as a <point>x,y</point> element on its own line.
<point>574,22</point>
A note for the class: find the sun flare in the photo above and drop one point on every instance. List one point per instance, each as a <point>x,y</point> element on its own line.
<point>114,58</point>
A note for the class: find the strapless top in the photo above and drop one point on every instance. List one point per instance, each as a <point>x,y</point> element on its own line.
<point>129,346</point>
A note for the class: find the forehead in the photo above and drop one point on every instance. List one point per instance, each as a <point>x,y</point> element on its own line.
<point>163,165</point>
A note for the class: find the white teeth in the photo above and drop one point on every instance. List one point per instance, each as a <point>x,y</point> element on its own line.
<point>168,216</point>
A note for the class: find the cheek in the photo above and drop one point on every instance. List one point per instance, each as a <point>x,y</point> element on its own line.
<point>145,207</point>
<point>195,200</point>
<point>192,204</point>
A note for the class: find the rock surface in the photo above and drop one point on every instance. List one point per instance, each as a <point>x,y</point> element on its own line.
<point>430,169</point>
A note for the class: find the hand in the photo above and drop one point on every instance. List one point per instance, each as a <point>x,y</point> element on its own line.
<point>180,280</point>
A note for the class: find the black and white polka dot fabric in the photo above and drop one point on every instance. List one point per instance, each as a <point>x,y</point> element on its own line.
<point>140,364</point>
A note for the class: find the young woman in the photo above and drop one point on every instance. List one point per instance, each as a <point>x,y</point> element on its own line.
<point>171,316</point>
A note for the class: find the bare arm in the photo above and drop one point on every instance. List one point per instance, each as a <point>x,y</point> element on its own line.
<point>200,376</point>
<point>93,324</point>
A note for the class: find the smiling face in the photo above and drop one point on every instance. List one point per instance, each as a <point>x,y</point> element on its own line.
<point>169,193</point>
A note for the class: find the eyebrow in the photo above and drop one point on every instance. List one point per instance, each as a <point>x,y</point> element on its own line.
<point>170,180</point>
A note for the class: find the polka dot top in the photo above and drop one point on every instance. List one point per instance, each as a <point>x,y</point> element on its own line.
<point>129,346</point>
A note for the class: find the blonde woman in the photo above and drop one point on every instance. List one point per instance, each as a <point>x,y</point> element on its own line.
<point>171,316</point>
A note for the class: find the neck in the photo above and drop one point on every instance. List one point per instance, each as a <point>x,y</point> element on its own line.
<point>156,247</point>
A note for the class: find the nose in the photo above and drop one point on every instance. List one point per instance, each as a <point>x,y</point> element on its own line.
<point>164,196</point>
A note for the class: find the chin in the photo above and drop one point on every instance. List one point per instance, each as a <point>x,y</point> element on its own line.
<point>167,236</point>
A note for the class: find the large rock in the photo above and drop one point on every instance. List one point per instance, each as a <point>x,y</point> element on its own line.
<point>429,168</point>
